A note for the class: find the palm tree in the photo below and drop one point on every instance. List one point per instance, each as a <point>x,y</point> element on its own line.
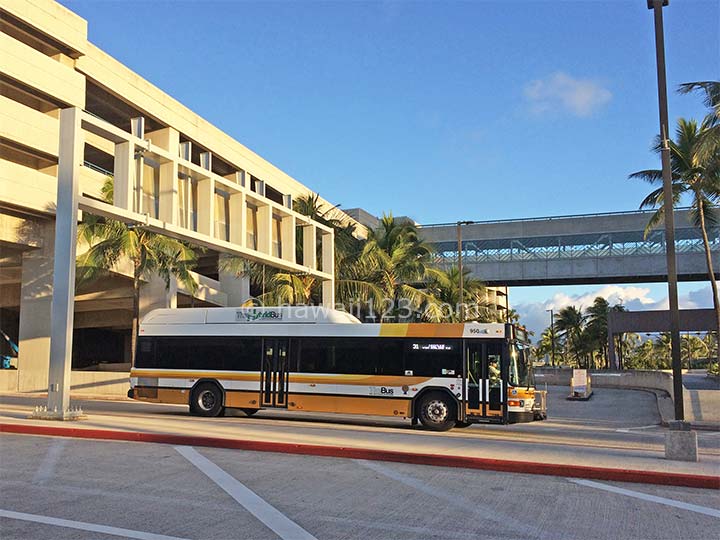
<point>693,173</point>
<point>545,346</point>
<point>111,241</point>
<point>597,326</point>
<point>693,347</point>
<point>569,324</point>
<point>444,285</point>
<point>711,122</point>
<point>661,350</point>
<point>399,261</point>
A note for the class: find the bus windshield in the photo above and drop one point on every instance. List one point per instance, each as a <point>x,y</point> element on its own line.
<point>520,372</point>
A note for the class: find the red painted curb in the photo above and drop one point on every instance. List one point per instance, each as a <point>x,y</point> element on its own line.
<point>549,469</point>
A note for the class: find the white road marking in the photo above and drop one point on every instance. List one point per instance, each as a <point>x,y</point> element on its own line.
<point>455,499</point>
<point>92,527</point>
<point>275,520</point>
<point>46,470</point>
<point>631,429</point>
<point>652,498</point>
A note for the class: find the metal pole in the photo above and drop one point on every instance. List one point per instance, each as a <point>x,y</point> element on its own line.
<point>460,271</point>
<point>656,6</point>
<point>552,335</point>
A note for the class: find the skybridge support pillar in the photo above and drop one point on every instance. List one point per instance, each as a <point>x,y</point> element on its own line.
<point>70,159</point>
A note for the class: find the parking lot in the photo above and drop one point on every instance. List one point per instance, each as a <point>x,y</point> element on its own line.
<point>153,491</point>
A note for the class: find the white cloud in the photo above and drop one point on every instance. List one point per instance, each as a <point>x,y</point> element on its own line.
<point>534,315</point>
<point>560,92</point>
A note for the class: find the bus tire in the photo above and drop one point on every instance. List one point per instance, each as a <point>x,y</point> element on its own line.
<point>436,411</point>
<point>207,400</point>
<point>249,412</point>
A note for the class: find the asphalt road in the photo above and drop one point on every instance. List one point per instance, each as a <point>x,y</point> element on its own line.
<point>613,420</point>
<point>154,492</point>
<point>697,379</point>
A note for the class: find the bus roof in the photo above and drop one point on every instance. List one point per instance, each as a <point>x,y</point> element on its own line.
<point>298,320</point>
<point>259,315</point>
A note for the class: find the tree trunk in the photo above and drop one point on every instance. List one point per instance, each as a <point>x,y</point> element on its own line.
<point>711,274</point>
<point>135,317</point>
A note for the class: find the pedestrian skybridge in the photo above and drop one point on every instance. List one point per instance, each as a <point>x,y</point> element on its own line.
<point>580,249</point>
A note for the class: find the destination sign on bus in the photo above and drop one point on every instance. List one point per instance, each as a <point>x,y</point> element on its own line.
<point>431,347</point>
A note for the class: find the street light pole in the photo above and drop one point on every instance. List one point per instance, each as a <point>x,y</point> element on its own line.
<point>668,203</point>
<point>460,269</point>
<point>552,335</point>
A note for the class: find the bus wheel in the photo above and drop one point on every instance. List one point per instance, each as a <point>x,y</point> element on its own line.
<point>436,411</point>
<point>249,412</point>
<point>207,400</point>
<point>461,424</point>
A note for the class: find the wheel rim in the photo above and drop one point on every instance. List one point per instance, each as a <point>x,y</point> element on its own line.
<point>206,400</point>
<point>436,411</point>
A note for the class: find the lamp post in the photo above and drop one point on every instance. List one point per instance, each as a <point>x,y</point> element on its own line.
<point>552,335</point>
<point>460,268</point>
<point>656,6</point>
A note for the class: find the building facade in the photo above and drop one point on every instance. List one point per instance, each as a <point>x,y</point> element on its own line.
<point>63,100</point>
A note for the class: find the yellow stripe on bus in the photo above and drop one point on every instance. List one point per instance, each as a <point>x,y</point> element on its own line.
<point>422,330</point>
<point>393,329</point>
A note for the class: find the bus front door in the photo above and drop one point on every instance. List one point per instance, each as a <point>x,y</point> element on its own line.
<point>485,399</point>
<point>274,374</point>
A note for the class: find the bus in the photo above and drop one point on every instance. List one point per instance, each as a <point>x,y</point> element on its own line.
<point>310,358</point>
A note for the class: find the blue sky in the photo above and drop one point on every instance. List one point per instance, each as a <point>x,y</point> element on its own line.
<point>437,110</point>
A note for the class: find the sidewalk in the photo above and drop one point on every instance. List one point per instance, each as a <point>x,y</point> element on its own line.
<point>539,448</point>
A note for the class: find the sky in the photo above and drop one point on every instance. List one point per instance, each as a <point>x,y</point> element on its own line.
<point>442,111</point>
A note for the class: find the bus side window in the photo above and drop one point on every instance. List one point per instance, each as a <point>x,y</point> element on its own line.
<point>172,353</point>
<point>241,353</point>
<point>390,357</point>
<point>313,355</point>
<point>145,357</point>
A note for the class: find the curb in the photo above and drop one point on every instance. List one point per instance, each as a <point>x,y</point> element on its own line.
<point>547,469</point>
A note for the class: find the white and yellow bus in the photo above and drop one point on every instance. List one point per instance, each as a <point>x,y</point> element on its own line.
<point>321,360</point>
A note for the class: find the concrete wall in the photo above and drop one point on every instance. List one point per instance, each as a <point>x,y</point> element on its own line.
<point>101,383</point>
<point>657,380</point>
<point>701,406</point>
<point>9,380</point>
<point>115,384</point>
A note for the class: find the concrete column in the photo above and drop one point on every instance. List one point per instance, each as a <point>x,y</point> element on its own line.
<point>288,238</point>
<point>124,176</point>
<point>238,177</point>
<point>238,218</point>
<point>168,139</point>
<point>264,229</point>
<point>328,266</point>
<point>681,442</point>
<point>155,295</point>
<point>169,192</point>
<point>236,288</point>
<point>70,157</point>
<point>35,315</point>
<point>206,206</point>
<point>309,247</point>
<point>138,184</point>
